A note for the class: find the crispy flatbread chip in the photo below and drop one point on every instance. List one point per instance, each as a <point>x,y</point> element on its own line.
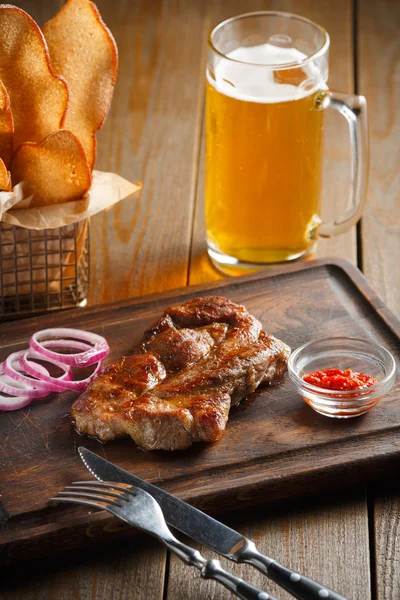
<point>56,170</point>
<point>5,178</point>
<point>6,126</point>
<point>4,98</point>
<point>83,51</point>
<point>39,98</point>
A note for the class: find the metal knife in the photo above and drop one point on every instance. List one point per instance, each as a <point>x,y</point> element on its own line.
<point>210,532</point>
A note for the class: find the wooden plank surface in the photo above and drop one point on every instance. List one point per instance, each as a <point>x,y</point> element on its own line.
<point>321,540</point>
<point>386,527</point>
<point>379,81</point>
<point>133,570</point>
<point>151,135</point>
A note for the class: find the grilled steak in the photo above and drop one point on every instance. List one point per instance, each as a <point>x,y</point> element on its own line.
<point>197,361</point>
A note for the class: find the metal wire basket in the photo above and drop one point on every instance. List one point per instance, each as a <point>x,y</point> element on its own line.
<point>45,270</point>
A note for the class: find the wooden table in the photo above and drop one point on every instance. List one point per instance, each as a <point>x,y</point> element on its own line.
<point>154,133</point>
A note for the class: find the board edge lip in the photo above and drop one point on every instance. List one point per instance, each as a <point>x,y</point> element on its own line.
<point>351,270</point>
<point>359,464</point>
<point>358,279</point>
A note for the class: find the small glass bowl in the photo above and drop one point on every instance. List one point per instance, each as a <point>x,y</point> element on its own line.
<point>342,353</point>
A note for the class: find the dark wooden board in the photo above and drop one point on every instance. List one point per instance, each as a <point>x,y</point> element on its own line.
<point>275,446</point>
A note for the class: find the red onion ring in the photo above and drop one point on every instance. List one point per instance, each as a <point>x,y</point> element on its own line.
<point>32,369</point>
<point>68,344</point>
<point>60,363</point>
<point>99,350</point>
<point>38,383</point>
<point>15,403</point>
<point>14,388</point>
<point>14,382</point>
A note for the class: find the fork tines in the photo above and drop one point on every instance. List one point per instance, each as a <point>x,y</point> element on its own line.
<point>98,494</point>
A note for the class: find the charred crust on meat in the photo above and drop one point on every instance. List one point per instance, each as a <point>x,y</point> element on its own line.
<point>199,359</point>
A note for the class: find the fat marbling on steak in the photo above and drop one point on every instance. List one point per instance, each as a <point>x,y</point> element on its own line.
<point>198,360</point>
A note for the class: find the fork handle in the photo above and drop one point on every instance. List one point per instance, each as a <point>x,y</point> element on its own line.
<point>299,586</point>
<point>212,569</point>
<point>242,589</point>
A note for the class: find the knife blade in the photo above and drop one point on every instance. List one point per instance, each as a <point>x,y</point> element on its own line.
<point>208,531</point>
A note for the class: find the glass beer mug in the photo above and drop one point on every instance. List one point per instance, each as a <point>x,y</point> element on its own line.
<point>265,104</point>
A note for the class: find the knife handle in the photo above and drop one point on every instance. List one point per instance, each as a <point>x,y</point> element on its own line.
<point>211,569</point>
<point>299,586</point>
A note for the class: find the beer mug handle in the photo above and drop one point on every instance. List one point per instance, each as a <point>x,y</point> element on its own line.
<point>354,109</point>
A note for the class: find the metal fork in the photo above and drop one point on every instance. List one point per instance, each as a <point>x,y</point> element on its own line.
<point>140,509</point>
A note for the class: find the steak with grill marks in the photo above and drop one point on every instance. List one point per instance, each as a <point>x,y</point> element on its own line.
<point>198,360</point>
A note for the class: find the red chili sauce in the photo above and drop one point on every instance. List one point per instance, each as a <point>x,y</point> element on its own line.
<point>336,379</point>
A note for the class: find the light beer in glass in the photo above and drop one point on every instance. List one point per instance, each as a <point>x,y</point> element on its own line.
<point>266,92</point>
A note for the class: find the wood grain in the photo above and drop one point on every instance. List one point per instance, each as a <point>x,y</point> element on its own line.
<point>386,515</point>
<point>151,135</point>
<point>379,81</point>
<point>337,18</point>
<point>321,541</point>
<point>133,570</point>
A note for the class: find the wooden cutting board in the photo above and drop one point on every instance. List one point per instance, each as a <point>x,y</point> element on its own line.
<point>274,447</point>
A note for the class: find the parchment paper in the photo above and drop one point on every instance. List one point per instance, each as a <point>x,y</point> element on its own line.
<point>107,189</point>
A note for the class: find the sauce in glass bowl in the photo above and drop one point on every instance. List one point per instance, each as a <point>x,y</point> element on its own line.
<point>361,375</point>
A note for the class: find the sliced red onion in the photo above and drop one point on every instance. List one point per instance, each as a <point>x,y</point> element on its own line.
<point>94,354</point>
<point>58,384</point>
<point>10,369</point>
<point>19,390</point>
<point>14,403</point>
<point>31,368</point>
<point>66,344</point>
<point>15,388</point>
<point>81,384</point>
<point>60,363</point>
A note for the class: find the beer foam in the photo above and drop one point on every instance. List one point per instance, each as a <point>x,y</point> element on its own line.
<point>247,80</point>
